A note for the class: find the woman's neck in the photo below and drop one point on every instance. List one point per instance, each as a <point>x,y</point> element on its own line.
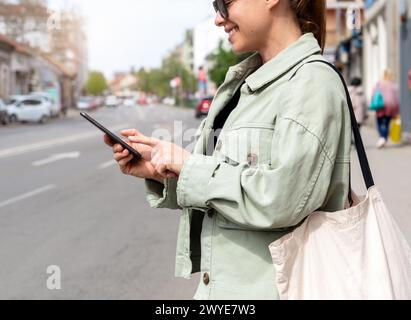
<point>283,34</point>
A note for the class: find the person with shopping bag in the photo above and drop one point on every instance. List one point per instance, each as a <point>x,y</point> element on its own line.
<point>385,91</point>
<point>274,148</point>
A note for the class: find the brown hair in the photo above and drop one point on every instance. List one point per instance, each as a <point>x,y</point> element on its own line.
<point>311,15</point>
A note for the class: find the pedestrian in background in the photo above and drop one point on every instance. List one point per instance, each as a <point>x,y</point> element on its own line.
<point>389,91</point>
<point>283,151</point>
<point>202,81</point>
<point>359,101</point>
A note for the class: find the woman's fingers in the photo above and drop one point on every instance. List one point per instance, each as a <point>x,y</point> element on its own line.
<point>130,132</point>
<point>108,141</point>
<point>144,140</point>
<point>118,148</point>
<point>161,169</point>
<point>125,160</point>
<point>120,155</point>
<point>171,174</point>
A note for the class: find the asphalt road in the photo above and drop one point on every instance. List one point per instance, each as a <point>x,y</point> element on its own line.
<point>64,202</point>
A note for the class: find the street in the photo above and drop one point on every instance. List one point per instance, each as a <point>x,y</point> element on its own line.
<point>81,214</point>
<point>64,202</point>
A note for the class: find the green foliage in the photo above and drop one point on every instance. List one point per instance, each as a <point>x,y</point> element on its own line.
<point>221,60</point>
<point>157,81</point>
<point>96,83</point>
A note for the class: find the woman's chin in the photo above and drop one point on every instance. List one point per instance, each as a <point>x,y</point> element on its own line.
<point>237,49</point>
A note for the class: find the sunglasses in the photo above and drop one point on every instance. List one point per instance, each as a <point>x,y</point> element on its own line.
<point>221,7</point>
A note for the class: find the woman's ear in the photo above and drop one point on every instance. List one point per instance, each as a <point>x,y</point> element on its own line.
<point>272,3</point>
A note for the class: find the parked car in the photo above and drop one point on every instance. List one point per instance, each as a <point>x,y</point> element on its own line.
<point>29,108</point>
<point>203,107</point>
<point>55,106</point>
<point>86,103</point>
<point>11,107</point>
<point>142,101</point>
<point>129,102</point>
<point>112,101</point>
<point>169,101</point>
<point>4,115</point>
<point>98,101</point>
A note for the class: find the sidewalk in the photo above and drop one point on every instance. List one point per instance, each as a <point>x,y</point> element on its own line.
<point>391,168</point>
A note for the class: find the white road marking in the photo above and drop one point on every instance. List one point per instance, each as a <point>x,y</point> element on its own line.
<point>107,164</point>
<point>27,195</point>
<point>56,157</point>
<point>6,153</point>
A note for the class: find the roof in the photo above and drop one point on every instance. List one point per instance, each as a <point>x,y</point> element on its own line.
<point>25,49</point>
<point>19,47</point>
<point>58,65</point>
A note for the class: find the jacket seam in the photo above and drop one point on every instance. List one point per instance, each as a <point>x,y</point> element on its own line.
<point>314,181</point>
<point>323,148</point>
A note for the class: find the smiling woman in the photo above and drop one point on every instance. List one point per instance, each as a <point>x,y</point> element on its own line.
<point>282,151</point>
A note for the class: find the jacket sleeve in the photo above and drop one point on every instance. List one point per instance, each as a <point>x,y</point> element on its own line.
<point>162,195</point>
<point>278,195</point>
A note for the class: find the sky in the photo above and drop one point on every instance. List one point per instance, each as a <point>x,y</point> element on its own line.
<point>135,33</point>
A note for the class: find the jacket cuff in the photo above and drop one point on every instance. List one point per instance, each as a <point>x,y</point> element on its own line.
<point>193,182</point>
<point>162,195</point>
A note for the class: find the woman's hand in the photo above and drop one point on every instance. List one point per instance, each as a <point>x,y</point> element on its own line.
<point>166,157</point>
<point>128,166</point>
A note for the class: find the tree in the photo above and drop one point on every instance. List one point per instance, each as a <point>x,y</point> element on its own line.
<point>157,81</point>
<point>96,83</point>
<point>221,60</point>
<point>172,68</point>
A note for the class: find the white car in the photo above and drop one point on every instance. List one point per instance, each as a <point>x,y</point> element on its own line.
<point>29,108</point>
<point>169,101</point>
<point>85,103</point>
<point>55,107</point>
<point>112,101</point>
<point>129,102</point>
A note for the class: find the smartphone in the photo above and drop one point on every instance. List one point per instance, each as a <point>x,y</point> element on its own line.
<point>114,138</point>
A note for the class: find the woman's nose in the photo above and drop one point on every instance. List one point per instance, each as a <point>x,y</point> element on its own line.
<point>219,20</point>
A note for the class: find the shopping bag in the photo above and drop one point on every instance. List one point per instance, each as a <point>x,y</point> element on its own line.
<point>395,130</point>
<point>377,101</point>
<point>355,254</point>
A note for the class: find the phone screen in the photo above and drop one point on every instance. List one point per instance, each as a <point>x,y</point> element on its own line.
<point>112,136</point>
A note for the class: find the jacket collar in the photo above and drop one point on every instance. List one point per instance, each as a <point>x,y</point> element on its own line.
<point>304,47</point>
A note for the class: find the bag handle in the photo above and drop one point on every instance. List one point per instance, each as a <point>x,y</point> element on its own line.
<point>362,156</point>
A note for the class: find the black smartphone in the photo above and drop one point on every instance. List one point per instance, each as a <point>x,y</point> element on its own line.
<point>113,137</point>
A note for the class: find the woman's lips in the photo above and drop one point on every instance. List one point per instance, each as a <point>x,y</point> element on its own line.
<point>232,33</point>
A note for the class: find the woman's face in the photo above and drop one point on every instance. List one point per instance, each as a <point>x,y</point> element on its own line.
<point>247,24</point>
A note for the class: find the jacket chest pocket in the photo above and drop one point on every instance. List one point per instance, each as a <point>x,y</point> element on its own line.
<point>249,144</point>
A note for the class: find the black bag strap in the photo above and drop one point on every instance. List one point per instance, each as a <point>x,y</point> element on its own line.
<point>362,156</point>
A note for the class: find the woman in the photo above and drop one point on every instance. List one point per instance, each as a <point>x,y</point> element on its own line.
<point>283,151</point>
<point>389,91</point>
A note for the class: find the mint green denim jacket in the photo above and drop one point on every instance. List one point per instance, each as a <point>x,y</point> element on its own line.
<point>283,153</point>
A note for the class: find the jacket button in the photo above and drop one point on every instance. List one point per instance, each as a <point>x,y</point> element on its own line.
<point>206,279</point>
<point>252,159</point>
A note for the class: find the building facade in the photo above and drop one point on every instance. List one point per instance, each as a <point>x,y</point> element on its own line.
<point>24,69</point>
<point>6,50</point>
<point>344,45</point>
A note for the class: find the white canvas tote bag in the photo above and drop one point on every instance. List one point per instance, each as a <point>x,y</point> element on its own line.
<point>354,254</point>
